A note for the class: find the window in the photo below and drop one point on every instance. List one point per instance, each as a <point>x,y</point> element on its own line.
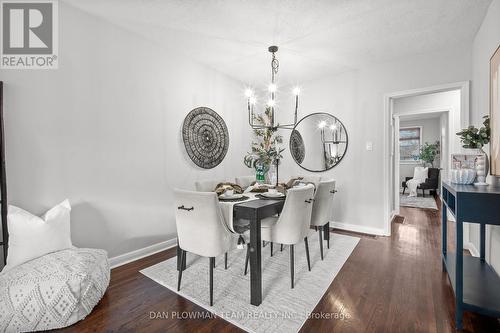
<point>410,140</point>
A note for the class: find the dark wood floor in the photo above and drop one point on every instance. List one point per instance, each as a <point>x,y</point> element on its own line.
<point>389,284</point>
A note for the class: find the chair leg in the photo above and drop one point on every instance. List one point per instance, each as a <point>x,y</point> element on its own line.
<point>320,243</point>
<point>307,253</point>
<point>281,248</point>
<point>271,249</point>
<point>183,264</point>
<point>247,259</point>
<point>225,260</point>
<point>212,264</point>
<point>404,189</point>
<point>292,263</point>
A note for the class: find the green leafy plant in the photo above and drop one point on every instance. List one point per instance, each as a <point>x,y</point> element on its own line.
<point>265,149</point>
<point>428,152</point>
<point>472,137</point>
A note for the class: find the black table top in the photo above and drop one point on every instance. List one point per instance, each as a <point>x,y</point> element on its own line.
<point>486,189</point>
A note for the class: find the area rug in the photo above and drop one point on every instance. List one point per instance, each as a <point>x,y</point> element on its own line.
<point>283,309</point>
<point>417,202</point>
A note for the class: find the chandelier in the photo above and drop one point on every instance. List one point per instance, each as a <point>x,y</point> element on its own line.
<point>271,102</point>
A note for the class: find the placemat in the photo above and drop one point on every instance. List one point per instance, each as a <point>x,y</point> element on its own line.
<point>243,198</point>
<point>263,197</point>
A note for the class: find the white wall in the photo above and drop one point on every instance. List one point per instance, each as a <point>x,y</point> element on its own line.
<point>431,132</point>
<point>356,98</point>
<point>485,43</point>
<point>104,131</point>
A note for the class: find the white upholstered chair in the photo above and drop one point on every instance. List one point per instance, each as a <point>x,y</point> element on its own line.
<point>245,181</point>
<point>293,224</point>
<point>200,229</point>
<point>322,209</point>
<point>207,185</point>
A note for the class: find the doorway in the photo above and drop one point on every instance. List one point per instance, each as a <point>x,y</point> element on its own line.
<point>421,148</point>
<point>449,102</point>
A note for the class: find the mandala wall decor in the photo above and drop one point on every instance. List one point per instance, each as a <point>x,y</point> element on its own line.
<point>205,137</point>
<point>297,146</point>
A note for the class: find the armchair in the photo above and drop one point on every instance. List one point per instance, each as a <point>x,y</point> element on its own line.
<point>431,182</point>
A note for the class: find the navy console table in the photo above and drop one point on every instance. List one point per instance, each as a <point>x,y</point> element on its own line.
<point>476,285</point>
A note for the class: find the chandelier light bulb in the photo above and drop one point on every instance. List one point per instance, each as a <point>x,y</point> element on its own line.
<point>333,127</point>
<point>271,103</point>
<point>248,92</point>
<point>322,124</point>
<point>272,88</point>
<point>296,91</point>
<point>252,100</point>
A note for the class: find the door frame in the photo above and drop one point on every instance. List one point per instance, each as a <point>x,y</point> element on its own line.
<point>389,130</point>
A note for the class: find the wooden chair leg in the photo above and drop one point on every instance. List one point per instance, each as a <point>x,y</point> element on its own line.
<point>404,189</point>
<point>212,264</point>
<point>225,260</point>
<point>320,243</point>
<point>292,264</point>
<point>281,248</point>
<point>307,253</point>
<point>183,264</point>
<point>271,249</point>
<point>247,259</point>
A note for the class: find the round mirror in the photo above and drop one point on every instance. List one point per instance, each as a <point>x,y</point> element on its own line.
<point>318,142</point>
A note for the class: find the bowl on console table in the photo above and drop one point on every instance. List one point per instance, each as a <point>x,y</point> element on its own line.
<point>462,176</point>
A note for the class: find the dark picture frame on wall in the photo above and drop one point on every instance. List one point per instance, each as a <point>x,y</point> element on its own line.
<point>495,113</point>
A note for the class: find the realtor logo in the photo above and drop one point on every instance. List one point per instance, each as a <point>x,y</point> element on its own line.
<point>29,34</point>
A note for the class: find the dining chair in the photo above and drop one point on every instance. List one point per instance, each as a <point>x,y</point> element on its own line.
<point>245,181</point>
<point>292,226</point>
<point>207,185</point>
<point>201,229</point>
<point>322,209</point>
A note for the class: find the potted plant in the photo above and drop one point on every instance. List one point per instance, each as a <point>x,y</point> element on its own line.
<point>428,153</point>
<point>265,152</point>
<point>475,138</point>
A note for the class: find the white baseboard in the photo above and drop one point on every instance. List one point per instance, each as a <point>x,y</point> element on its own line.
<point>472,248</point>
<point>358,228</point>
<point>141,253</point>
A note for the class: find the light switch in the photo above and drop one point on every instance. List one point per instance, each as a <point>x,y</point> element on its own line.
<point>369,145</point>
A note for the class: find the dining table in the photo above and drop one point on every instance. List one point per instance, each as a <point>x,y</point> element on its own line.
<point>252,209</point>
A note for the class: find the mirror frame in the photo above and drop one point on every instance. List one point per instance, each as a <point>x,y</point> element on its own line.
<point>313,114</point>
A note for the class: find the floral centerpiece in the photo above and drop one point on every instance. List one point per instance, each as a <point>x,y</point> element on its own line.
<point>265,150</point>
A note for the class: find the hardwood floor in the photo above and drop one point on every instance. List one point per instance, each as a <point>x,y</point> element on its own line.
<point>389,284</point>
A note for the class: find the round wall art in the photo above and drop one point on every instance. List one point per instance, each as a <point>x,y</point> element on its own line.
<point>205,137</point>
<point>297,146</point>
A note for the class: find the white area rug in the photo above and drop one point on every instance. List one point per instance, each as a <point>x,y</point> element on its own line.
<point>283,309</point>
<point>417,202</point>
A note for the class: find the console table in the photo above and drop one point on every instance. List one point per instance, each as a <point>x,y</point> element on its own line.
<point>475,283</point>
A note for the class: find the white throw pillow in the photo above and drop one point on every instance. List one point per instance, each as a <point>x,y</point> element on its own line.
<point>420,174</point>
<point>31,236</point>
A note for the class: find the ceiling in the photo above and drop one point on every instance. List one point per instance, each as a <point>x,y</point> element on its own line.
<point>316,38</point>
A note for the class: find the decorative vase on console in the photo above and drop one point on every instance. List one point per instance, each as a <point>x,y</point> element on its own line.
<point>474,139</point>
<point>482,167</point>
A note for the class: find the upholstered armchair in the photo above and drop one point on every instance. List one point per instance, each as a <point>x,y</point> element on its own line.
<point>431,182</point>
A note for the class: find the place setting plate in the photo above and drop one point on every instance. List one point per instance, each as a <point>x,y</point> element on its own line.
<point>234,197</point>
<point>271,196</point>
